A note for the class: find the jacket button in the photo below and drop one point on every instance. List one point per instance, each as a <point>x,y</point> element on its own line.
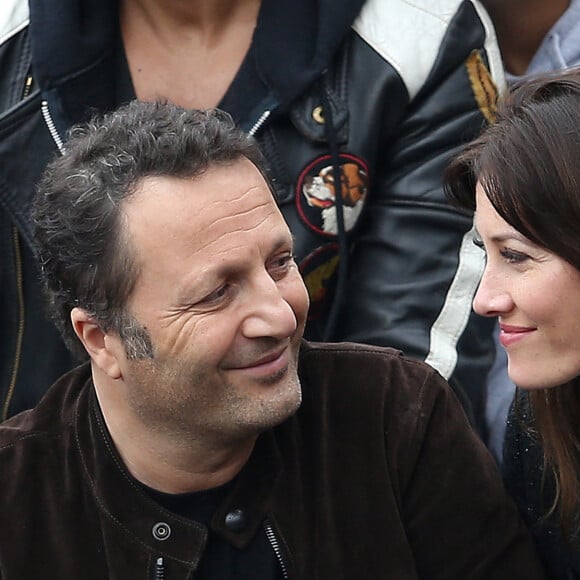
<point>236,521</point>
<point>318,114</point>
<point>161,531</point>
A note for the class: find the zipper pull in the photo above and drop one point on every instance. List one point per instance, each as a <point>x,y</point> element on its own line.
<point>27,86</point>
<point>159,569</point>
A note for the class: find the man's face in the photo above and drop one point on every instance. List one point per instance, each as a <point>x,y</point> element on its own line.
<point>223,303</point>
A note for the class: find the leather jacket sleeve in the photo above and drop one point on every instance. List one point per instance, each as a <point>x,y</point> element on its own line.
<point>448,478</point>
<point>413,268</point>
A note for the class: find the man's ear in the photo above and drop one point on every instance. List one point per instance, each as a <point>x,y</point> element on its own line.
<point>104,349</point>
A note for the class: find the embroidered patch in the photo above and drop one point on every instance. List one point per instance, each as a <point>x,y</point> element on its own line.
<point>315,193</point>
<point>318,269</point>
<point>482,85</point>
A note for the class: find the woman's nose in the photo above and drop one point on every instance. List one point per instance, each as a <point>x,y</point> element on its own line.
<point>492,297</point>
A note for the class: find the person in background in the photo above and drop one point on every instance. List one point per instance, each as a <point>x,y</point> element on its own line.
<point>357,106</point>
<point>522,177</point>
<point>534,36</point>
<point>205,439</point>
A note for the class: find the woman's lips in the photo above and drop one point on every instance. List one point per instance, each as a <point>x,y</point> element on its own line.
<point>510,335</point>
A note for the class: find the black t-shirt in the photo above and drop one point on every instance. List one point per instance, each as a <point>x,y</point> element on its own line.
<point>257,561</point>
<point>246,92</point>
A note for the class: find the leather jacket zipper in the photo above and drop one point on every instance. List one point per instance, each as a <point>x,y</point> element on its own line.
<point>19,298</point>
<point>18,265</point>
<point>276,547</point>
<point>258,124</point>
<point>20,329</point>
<point>51,126</point>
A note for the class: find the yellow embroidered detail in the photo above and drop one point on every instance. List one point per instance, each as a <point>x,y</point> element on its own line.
<point>482,85</point>
<point>315,280</point>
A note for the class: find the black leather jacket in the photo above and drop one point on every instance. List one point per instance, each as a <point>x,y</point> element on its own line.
<point>356,109</point>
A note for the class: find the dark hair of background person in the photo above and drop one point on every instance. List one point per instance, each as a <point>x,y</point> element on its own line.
<point>527,164</point>
<point>86,258</point>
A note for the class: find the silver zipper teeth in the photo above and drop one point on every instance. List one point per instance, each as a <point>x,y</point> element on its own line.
<point>276,547</point>
<point>259,123</point>
<point>51,127</point>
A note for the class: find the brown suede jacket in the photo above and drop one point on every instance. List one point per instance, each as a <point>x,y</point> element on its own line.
<point>377,476</point>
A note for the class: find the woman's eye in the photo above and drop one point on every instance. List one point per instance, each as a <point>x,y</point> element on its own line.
<point>512,256</point>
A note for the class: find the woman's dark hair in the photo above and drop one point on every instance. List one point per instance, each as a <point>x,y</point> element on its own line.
<point>528,164</point>
<point>82,245</point>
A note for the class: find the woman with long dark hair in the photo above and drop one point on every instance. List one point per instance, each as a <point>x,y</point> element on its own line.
<point>522,179</point>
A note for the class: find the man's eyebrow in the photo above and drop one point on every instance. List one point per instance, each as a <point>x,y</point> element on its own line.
<point>285,240</point>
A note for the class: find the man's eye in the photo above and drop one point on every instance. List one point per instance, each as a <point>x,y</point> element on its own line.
<point>217,295</point>
<point>513,257</point>
<point>280,265</point>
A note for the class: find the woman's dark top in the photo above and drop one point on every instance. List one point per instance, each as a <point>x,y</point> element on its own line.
<point>523,472</point>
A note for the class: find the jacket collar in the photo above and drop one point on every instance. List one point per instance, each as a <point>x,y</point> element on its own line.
<point>128,508</point>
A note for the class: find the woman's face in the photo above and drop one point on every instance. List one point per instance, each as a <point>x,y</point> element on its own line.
<point>536,296</point>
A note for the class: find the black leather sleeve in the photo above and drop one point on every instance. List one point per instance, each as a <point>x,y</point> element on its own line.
<point>414,269</point>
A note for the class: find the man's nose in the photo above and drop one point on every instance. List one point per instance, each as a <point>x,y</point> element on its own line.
<point>269,314</point>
